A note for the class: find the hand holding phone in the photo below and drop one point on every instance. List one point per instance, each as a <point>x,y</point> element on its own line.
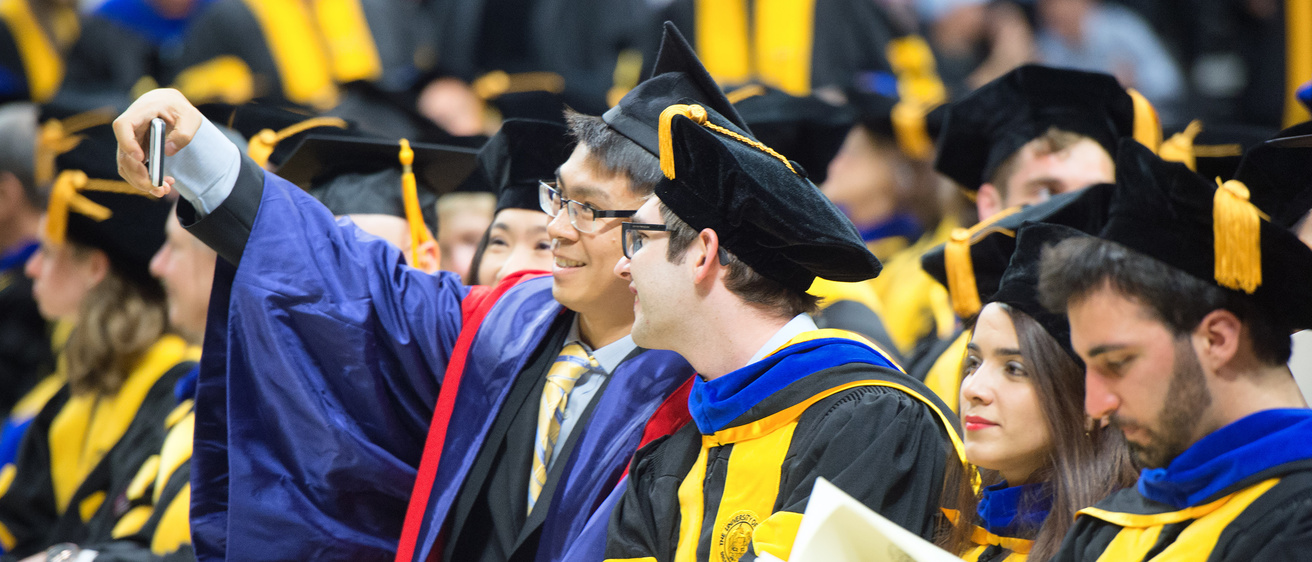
<point>155,154</point>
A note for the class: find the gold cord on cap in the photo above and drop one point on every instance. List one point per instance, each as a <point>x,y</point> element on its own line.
<point>698,115</point>
<point>1180,147</point>
<point>1147,126</point>
<point>65,198</point>
<point>963,289</point>
<point>261,146</point>
<point>748,91</point>
<point>58,136</point>
<point>494,84</point>
<point>1237,227</point>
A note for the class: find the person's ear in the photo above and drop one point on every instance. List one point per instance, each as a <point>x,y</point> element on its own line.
<point>1216,339</point>
<point>989,201</point>
<point>706,261</point>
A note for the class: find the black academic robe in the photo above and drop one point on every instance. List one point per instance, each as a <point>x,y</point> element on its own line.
<point>721,494</point>
<point>104,65</point>
<point>260,40</point>
<point>847,37</point>
<point>166,534</point>
<point>580,40</point>
<point>490,521</point>
<point>93,63</point>
<point>1267,516</point>
<point>34,513</point>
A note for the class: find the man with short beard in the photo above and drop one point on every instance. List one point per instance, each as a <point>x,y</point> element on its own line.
<point>1182,311</point>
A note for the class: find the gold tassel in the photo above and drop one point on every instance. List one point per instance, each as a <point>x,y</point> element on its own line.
<point>695,112</point>
<point>1237,227</point>
<point>962,288</point>
<point>1147,126</point>
<point>909,128</point>
<point>261,146</point>
<point>414,216</point>
<point>1180,147</point>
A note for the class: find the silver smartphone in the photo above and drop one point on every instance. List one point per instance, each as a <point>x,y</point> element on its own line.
<point>155,157</point>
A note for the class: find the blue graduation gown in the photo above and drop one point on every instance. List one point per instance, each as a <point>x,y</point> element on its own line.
<point>321,366</point>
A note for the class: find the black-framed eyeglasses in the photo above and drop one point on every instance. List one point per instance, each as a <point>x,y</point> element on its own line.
<point>631,237</point>
<point>581,215</point>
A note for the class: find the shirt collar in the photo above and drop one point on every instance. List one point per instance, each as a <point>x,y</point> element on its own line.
<point>800,324</point>
<point>609,356</point>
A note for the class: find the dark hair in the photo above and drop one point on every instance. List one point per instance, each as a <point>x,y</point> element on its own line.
<point>1075,268</point>
<point>743,281</point>
<point>472,277</point>
<point>1085,464</point>
<point>616,153</point>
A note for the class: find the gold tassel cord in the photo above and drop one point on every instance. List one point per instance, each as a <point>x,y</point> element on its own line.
<point>58,136</point>
<point>1147,126</point>
<point>909,129</point>
<point>748,91</point>
<point>261,146</point>
<point>698,115</point>
<point>1180,147</point>
<point>1237,226</point>
<point>65,198</point>
<point>494,84</point>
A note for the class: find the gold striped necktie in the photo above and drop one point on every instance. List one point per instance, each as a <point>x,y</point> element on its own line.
<point>570,365</point>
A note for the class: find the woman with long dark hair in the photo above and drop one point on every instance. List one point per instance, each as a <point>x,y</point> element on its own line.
<point>1040,459</point>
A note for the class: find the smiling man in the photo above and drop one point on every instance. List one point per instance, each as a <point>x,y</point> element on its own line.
<point>720,261</point>
<point>320,437</point>
<point>1184,326</point>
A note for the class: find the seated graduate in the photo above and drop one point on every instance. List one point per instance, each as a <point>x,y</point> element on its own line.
<point>348,402</point>
<point>1182,309</point>
<point>1022,409</point>
<point>72,479</point>
<point>1033,133</point>
<point>513,163</point>
<point>719,260</point>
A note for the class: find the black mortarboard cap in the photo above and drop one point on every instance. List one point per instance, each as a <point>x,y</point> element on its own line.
<point>972,262</point>
<point>1166,212</point>
<point>358,176</point>
<point>522,153</point>
<point>767,214</point>
<point>1277,175</point>
<point>273,132</point>
<point>915,137</point>
<point>1019,287</point>
<point>807,130</point>
<point>990,124</point>
<point>132,230</point>
<point>678,77</point>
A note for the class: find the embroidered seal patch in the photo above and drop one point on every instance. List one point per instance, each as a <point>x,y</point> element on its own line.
<point>736,537</point>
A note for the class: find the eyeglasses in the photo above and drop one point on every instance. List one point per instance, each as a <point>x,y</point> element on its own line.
<point>630,238</point>
<point>581,215</point>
